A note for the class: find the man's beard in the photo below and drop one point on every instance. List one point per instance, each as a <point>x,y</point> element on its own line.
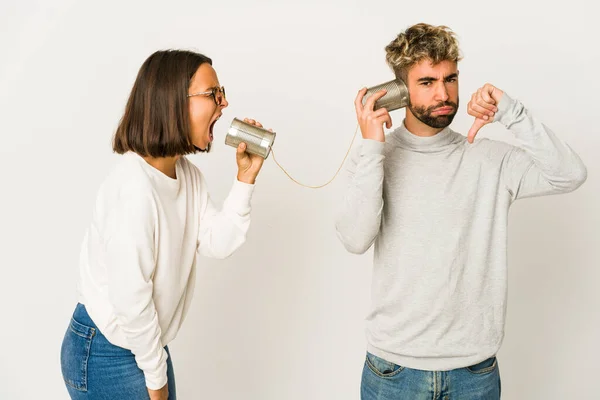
<point>440,121</point>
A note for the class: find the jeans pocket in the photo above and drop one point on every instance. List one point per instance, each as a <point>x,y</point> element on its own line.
<point>75,353</point>
<point>484,367</point>
<point>381,367</point>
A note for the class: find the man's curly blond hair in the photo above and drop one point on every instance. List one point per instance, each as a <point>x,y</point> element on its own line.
<point>419,42</point>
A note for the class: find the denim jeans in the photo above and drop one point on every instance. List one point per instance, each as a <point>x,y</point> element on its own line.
<point>383,380</point>
<point>95,369</point>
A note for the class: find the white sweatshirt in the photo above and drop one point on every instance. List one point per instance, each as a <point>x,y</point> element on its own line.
<point>137,265</point>
<point>436,209</point>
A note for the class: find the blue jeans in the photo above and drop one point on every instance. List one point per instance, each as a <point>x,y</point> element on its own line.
<point>95,369</point>
<point>383,380</point>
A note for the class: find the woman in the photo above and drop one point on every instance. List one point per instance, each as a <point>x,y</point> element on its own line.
<point>152,214</point>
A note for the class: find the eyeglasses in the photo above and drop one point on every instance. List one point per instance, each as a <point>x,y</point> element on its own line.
<point>217,93</point>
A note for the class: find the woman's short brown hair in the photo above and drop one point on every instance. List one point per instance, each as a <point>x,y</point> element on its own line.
<point>156,118</point>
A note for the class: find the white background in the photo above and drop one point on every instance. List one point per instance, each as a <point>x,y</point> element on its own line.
<point>283,317</point>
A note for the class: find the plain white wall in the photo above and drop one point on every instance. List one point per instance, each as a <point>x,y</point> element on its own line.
<point>283,317</point>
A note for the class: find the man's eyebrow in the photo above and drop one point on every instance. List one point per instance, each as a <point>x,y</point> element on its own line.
<point>432,79</point>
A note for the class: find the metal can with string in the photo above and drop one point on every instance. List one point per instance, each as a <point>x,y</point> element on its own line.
<point>258,140</point>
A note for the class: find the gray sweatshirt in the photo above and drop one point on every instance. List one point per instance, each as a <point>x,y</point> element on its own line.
<point>437,210</point>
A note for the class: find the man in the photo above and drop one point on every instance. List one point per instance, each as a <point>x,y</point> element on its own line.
<point>435,204</point>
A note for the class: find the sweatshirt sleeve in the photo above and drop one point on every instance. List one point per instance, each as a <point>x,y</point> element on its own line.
<point>130,264</point>
<point>223,231</point>
<point>359,217</point>
<point>543,164</point>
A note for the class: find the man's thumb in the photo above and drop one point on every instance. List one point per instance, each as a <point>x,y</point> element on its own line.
<point>475,128</point>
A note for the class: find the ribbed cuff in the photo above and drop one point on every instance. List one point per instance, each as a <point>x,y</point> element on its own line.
<point>239,197</point>
<point>505,114</point>
<point>371,147</point>
<point>156,379</point>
